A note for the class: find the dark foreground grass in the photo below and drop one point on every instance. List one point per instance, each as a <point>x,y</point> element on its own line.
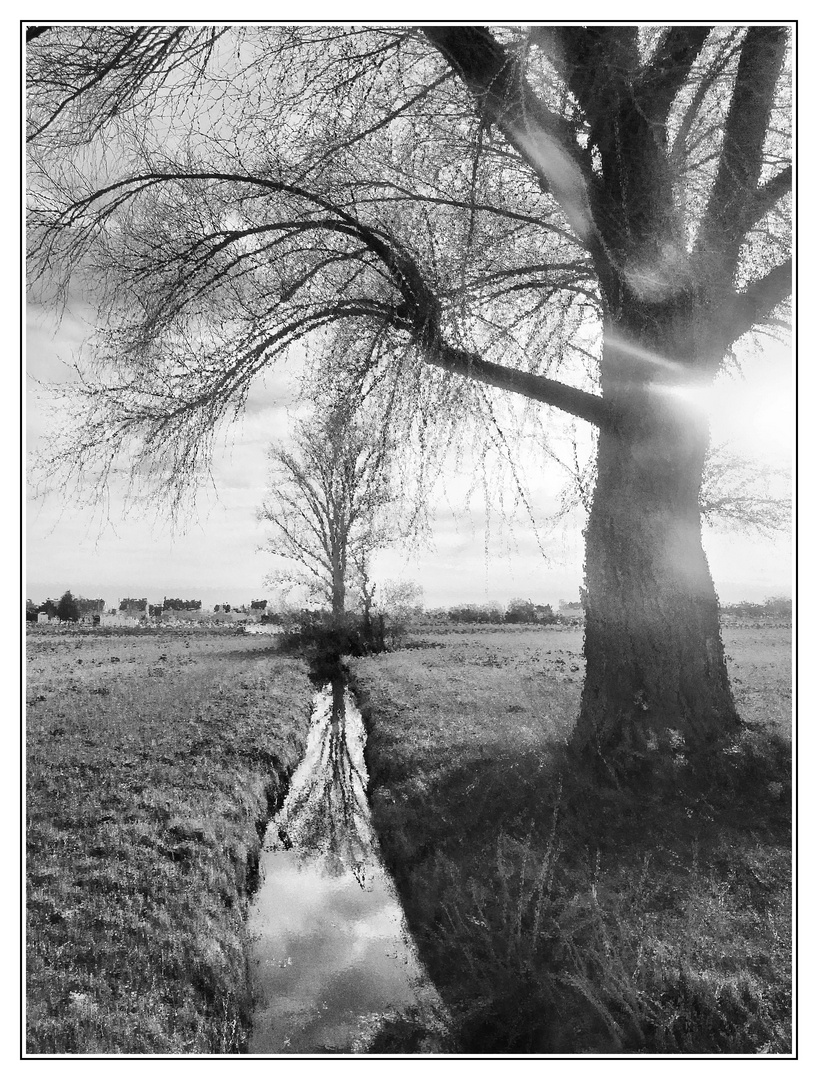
<point>556,918</point>
<point>153,763</point>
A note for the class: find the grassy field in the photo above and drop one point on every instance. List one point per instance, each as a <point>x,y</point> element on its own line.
<point>558,919</point>
<point>153,762</point>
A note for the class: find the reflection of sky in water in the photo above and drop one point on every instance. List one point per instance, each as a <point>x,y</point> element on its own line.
<point>328,954</point>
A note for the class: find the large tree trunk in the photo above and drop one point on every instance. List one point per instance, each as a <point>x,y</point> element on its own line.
<point>656,694</point>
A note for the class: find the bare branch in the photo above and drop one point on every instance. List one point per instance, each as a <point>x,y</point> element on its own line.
<point>703,86</point>
<point>544,139</point>
<point>568,398</point>
<point>669,68</point>
<point>722,230</point>
<point>417,311</point>
<point>754,304</point>
<point>766,197</point>
<point>123,62</point>
<point>430,234</point>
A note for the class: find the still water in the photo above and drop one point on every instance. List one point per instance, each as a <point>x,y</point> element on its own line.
<point>332,959</point>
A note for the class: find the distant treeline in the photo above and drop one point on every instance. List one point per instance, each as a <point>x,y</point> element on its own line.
<point>779,607</point>
<point>70,608</point>
<point>516,611</point>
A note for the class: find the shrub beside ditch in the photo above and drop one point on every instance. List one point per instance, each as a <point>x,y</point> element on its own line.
<point>323,640</point>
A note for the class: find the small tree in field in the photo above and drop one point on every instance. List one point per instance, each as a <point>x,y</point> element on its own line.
<point>401,599</point>
<point>397,603</point>
<point>67,608</point>
<point>327,507</point>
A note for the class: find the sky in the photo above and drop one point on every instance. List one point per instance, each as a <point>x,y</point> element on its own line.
<point>217,556</point>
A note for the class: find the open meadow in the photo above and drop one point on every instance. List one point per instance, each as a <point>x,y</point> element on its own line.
<point>153,761</point>
<point>552,917</point>
<point>557,919</point>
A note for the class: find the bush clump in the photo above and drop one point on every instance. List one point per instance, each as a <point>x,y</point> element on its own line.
<point>318,635</point>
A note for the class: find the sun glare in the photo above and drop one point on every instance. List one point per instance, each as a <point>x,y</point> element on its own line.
<point>756,410</point>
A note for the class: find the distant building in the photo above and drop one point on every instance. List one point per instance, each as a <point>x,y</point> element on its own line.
<point>172,615</point>
<point>118,620</point>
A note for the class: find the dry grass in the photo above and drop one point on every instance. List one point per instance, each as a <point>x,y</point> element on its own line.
<point>760,663</point>
<point>557,919</point>
<point>152,764</point>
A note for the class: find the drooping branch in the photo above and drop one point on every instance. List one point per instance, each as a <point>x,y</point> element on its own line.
<point>437,253</point>
<point>123,63</point>
<point>500,212</point>
<point>416,309</point>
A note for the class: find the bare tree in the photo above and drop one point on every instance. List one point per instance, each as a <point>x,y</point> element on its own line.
<point>327,506</point>
<point>463,204</point>
<point>739,494</point>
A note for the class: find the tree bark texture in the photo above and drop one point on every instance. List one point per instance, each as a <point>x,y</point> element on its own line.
<point>656,692</point>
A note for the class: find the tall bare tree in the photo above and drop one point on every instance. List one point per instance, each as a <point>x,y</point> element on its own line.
<point>329,495</point>
<point>466,205</point>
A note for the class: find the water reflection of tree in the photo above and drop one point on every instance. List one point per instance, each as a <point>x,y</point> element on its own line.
<point>325,815</point>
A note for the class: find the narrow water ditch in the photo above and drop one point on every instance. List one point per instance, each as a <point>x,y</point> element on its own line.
<point>333,966</point>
